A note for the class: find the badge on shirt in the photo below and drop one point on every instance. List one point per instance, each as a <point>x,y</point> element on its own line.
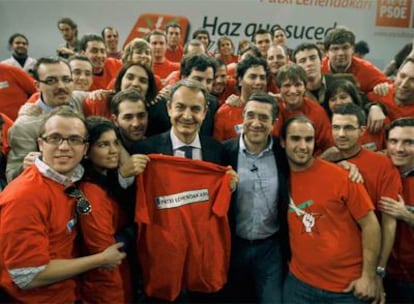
<point>238,128</point>
<point>4,84</point>
<point>72,223</point>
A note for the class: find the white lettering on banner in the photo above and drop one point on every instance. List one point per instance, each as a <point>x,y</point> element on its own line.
<point>359,4</point>
<point>236,29</point>
<point>182,198</point>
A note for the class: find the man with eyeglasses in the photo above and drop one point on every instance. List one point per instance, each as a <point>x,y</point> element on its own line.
<point>399,281</point>
<point>38,218</point>
<point>333,231</point>
<point>53,79</point>
<point>258,208</point>
<point>381,178</point>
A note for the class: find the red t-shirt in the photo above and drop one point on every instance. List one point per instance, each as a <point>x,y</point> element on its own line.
<point>98,232</point>
<point>37,225</point>
<point>314,111</point>
<point>381,178</point>
<point>184,236</point>
<point>110,71</point>
<point>394,111</point>
<point>165,68</point>
<point>367,74</point>
<point>7,123</point>
<point>175,55</point>
<point>329,256</point>
<point>15,88</point>
<point>401,261</point>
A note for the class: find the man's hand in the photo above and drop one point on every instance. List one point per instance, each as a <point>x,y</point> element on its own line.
<point>331,154</point>
<point>382,89</point>
<point>233,100</point>
<point>30,158</point>
<point>376,119</point>
<point>65,51</point>
<point>234,178</point>
<point>396,209</point>
<point>99,94</point>
<point>135,165</point>
<point>112,257</point>
<point>364,288</point>
<point>354,174</point>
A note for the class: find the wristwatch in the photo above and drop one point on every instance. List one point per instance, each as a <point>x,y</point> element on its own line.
<point>381,271</point>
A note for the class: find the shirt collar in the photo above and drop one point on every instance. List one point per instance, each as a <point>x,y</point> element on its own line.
<point>409,172</point>
<point>48,172</point>
<point>246,151</point>
<point>177,143</point>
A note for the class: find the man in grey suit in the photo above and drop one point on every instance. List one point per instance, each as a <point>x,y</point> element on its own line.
<point>54,81</point>
<point>260,245</point>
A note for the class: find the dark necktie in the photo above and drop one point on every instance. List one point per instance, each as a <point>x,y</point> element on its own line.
<point>188,151</point>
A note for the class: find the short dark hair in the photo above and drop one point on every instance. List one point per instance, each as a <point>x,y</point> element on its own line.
<point>108,28</point>
<point>79,57</point>
<point>260,32</point>
<point>361,47</point>
<point>174,25</point>
<point>267,99</point>
<point>67,21</point>
<point>352,109</point>
<point>83,44</point>
<point>198,62</point>
<point>406,60</point>
<point>16,35</point>
<point>343,85</point>
<point>306,46</point>
<point>191,84</point>
<point>400,122</point>
<point>45,61</point>
<point>97,125</point>
<point>132,94</point>
<point>297,118</point>
<point>152,90</point>
<point>339,35</point>
<point>63,111</point>
<point>291,71</point>
<point>249,62</point>
<point>156,33</point>
<point>201,31</point>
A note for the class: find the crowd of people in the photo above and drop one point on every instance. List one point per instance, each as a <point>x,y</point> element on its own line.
<point>169,172</point>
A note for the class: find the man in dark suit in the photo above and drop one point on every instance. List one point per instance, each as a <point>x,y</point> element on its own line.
<point>260,246</point>
<point>187,109</point>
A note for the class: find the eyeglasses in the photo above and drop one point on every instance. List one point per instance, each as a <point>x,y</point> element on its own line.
<point>54,80</point>
<point>57,139</point>
<point>83,207</point>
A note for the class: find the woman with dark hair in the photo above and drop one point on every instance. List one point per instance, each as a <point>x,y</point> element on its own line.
<point>107,220</point>
<point>343,91</point>
<point>136,75</point>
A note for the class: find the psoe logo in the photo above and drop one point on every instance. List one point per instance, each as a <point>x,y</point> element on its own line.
<point>394,13</point>
<point>147,22</point>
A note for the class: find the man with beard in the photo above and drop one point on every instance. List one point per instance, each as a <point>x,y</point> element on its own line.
<point>18,43</point>
<point>223,85</point>
<point>252,74</point>
<point>104,69</point>
<point>69,30</point>
<point>333,231</point>
<point>400,99</point>
<point>53,79</point>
